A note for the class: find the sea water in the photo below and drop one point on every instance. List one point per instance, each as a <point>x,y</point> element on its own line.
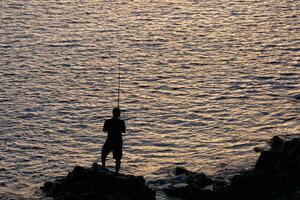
<point>202,84</point>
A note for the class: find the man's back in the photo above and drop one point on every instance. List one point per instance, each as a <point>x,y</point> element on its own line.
<point>114,128</point>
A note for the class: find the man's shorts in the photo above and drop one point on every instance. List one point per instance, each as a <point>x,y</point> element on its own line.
<point>115,147</point>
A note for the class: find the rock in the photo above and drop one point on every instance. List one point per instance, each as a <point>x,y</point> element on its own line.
<point>219,186</point>
<point>277,143</point>
<point>276,175</point>
<point>292,148</point>
<point>258,149</point>
<point>48,187</point>
<point>296,195</point>
<point>79,173</point>
<point>268,161</point>
<point>178,190</point>
<point>295,165</point>
<point>185,181</point>
<point>181,170</point>
<point>98,183</point>
<point>199,194</point>
<point>199,179</point>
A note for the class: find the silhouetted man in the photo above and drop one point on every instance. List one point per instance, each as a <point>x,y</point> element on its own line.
<point>114,128</point>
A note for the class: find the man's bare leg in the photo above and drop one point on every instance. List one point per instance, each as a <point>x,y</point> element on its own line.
<point>103,158</point>
<point>118,164</point>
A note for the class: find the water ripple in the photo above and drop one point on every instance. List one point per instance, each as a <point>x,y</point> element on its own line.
<point>203,82</point>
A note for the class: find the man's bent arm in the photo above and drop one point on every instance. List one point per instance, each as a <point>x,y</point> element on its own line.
<point>124,128</point>
<point>105,126</point>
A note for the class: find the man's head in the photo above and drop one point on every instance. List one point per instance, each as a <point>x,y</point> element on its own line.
<point>116,112</point>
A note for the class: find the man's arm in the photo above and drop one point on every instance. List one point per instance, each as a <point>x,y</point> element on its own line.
<point>105,129</point>
<point>124,127</point>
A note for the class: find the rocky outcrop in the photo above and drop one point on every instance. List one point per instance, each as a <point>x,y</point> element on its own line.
<point>98,183</point>
<point>275,176</point>
<point>190,185</point>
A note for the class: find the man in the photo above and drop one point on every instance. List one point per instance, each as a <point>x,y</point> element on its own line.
<point>114,128</point>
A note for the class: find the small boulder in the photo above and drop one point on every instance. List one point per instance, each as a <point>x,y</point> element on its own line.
<point>185,181</point>
<point>199,179</point>
<point>181,170</point>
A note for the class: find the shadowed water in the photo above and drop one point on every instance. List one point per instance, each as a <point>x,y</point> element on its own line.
<point>203,83</point>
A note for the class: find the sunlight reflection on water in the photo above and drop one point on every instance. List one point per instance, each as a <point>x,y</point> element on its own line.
<point>203,82</point>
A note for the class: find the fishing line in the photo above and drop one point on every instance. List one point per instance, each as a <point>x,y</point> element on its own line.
<point>119,82</point>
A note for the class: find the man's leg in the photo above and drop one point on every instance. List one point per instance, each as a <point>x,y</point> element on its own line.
<point>118,164</point>
<point>118,156</point>
<point>105,151</point>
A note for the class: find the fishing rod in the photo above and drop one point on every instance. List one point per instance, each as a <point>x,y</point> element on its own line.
<point>119,82</point>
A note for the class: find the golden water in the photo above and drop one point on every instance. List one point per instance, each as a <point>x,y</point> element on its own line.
<point>202,84</point>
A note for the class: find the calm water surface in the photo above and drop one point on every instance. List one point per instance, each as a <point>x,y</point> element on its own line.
<point>203,83</point>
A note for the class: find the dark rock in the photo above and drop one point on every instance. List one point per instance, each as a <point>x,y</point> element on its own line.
<point>47,187</point>
<point>178,190</point>
<point>219,186</point>
<point>277,144</point>
<point>199,179</point>
<point>78,173</point>
<point>296,196</point>
<point>98,183</point>
<point>258,149</point>
<point>181,170</point>
<point>199,194</point>
<point>276,175</point>
<point>292,148</point>
<point>268,161</point>
<point>295,164</point>
<point>185,181</point>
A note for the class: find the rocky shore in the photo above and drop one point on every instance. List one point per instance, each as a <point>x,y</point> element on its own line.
<point>97,183</point>
<point>276,176</point>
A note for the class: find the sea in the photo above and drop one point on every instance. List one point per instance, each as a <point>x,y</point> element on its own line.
<point>202,83</point>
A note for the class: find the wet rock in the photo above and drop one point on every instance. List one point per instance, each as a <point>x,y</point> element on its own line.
<point>258,149</point>
<point>199,179</point>
<point>186,181</point>
<point>98,183</point>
